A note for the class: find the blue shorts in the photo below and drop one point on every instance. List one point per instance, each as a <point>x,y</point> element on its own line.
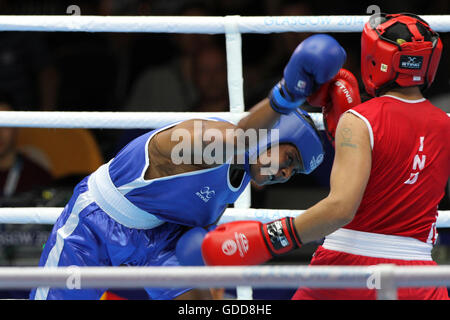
<point>84,235</point>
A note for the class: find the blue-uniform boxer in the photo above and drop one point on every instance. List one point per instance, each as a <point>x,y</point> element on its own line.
<point>116,217</point>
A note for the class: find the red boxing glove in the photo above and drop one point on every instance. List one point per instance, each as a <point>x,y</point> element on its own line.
<point>249,242</point>
<point>336,97</point>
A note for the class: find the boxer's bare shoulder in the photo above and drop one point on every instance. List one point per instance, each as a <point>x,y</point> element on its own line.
<point>165,145</point>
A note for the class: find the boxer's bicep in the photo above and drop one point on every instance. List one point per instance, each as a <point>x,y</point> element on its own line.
<point>352,163</point>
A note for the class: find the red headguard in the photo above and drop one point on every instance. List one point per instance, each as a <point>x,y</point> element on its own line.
<point>407,55</point>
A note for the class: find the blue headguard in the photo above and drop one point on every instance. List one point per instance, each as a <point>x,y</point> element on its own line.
<point>296,128</point>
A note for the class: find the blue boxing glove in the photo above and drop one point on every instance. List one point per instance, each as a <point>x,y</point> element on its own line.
<point>189,247</point>
<point>316,60</point>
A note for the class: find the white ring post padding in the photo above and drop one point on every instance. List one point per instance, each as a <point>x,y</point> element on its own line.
<point>48,215</point>
<point>206,277</point>
<point>233,43</point>
<point>208,25</point>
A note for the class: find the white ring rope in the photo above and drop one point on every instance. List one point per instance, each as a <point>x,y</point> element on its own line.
<point>206,277</point>
<point>48,215</point>
<point>105,120</point>
<point>114,120</point>
<point>208,25</point>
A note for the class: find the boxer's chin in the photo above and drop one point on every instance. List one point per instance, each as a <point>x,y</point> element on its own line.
<point>261,175</point>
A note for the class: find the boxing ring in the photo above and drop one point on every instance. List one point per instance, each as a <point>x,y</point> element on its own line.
<point>384,278</point>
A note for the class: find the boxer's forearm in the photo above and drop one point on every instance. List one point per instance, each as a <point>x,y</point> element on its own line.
<point>261,116</point>
<point>322,219</point>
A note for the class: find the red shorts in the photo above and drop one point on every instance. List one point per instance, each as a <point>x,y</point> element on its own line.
<point>329,257</point>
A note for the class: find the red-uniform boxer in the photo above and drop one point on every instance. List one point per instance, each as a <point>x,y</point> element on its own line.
<point>391,166</point>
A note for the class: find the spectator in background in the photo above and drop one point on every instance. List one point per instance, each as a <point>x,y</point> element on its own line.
<point>18,173</point>
<point>131,51</point>
<point>170,86</point>
<point>210,80</point>
<point>27,73</point>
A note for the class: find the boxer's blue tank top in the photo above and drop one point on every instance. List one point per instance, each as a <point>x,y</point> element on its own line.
<point>195,198</point>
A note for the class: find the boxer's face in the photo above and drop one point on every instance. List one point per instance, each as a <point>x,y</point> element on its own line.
<point>280,168</point>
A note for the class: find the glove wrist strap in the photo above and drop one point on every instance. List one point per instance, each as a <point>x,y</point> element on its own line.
<point>281,236</point>
<point>281,101</point>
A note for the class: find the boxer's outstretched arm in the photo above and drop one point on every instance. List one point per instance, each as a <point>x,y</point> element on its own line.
<point>261,116</point>
<point>349,178</point>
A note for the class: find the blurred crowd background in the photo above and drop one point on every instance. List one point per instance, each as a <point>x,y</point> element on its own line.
<point>79,71</point>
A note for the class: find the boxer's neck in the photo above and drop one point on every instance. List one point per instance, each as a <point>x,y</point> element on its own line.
<point>410,93</point>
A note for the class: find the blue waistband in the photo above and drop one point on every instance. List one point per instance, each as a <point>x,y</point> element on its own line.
<point>113,203</point>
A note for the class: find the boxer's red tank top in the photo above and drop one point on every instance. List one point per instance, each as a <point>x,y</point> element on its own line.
<point>410,167</point>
